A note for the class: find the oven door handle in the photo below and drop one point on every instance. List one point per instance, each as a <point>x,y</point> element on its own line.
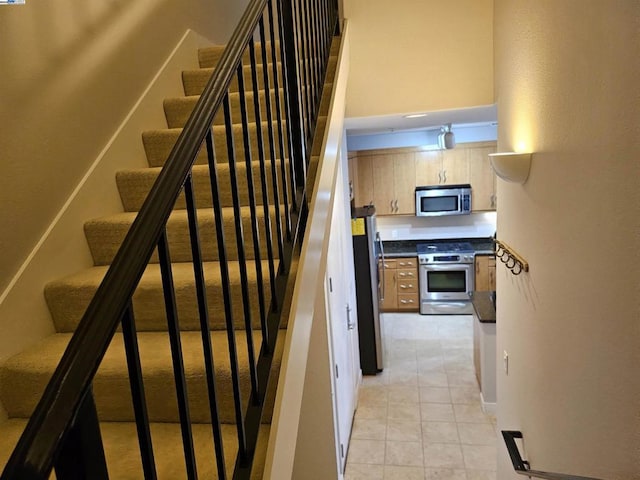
<point>381,282</point>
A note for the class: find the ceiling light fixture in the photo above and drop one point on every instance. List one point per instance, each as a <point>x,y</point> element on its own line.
<point>446,139</point>
<point>415,115</point>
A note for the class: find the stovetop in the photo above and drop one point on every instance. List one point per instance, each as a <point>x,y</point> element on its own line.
<point>452,247</point>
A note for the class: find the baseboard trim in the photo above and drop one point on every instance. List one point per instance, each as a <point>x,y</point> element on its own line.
<point>489,408</point>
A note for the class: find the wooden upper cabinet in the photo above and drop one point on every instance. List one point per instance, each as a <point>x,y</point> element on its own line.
<point>482,178</point>
<point>387,178</point>
<point>363,191</point>
<point>455,166</point>
<point>428,167</point>
<point>404,183</point>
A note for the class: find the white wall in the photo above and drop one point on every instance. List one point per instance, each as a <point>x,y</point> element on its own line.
<point>567,77</point>
<point>419,55</point>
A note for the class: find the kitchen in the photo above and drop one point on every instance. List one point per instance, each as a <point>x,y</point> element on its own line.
<point>435,221</point>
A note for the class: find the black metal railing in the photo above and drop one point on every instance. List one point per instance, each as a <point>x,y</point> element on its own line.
<point>294,43</point>
<point>522,467</point>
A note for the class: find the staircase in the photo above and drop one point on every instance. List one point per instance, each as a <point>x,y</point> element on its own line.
<point>23,377</point>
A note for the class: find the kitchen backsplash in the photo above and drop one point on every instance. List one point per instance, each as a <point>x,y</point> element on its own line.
<point>406,227</point>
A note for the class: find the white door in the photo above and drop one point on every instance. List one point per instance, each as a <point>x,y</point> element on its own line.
<point>342,321</point>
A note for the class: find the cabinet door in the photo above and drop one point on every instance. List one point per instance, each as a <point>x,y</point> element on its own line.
<point>404,183</point>
<point>455,166</point>
<point>363,194</point>
<point>383,184</point>
<point>390,286</point>
<point>483,178</point>
<point>428,165</point>
<point>482,273</point>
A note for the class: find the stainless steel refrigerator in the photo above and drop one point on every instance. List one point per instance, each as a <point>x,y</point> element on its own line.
<point>368,257</point>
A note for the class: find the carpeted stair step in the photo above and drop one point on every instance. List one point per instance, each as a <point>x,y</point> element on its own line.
<point>195,80</point>
<point>209,56</point>
<point>104,235</point>
<point>134,185</point>
<point>122,452</point>
<point>177,110</point>
<point>24,377</point>
<point>158,143</point>
<point>68,297</point>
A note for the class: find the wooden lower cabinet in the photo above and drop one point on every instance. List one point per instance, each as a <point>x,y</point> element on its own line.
<point>485,278</point>
<point>401,292</point>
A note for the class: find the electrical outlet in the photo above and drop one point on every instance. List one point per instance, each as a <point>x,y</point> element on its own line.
<point>505,361</point>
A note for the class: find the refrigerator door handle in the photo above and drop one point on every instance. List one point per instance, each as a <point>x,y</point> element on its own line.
<point>380,268</point>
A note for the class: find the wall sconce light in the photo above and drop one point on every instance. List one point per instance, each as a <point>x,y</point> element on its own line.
<point>511,166</point>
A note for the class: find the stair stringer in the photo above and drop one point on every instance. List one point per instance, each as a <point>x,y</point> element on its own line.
<point>63,249</point>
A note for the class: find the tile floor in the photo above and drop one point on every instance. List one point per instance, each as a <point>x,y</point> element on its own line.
<point>421,417</point>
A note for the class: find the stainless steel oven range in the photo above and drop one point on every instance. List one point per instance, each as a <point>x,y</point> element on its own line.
<point>446,278</point>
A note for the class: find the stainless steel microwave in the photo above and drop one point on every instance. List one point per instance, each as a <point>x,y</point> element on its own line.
<point>438,200</point>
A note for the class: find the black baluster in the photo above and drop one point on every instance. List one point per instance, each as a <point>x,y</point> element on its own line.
<point>263,175</point>
<point>205,329</point>
<point>176,355</point>
<point>283,168</point>
<point>272,148</point>
<point>82,455</point>
<point>293,74</point>
<point>242,257</point>
<point>226,292</point>
<point>130,338</point>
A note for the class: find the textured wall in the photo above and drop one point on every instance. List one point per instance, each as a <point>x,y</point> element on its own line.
<point>419,55</point>
<point>567,77</point>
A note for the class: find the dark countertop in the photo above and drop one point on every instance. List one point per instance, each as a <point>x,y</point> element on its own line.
<point>407,248</point>
<point>484,306</point>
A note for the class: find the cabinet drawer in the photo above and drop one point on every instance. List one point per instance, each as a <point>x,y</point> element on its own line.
<point>407,286</point>
<point>408,301</point>
<point>390,264</point>
<point>407,274</point>
<point>407,262</point>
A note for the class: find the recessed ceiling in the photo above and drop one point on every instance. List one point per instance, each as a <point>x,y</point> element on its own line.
<point>432,120</point>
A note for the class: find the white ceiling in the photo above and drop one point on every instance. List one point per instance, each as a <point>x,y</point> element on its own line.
<point>433,120</point>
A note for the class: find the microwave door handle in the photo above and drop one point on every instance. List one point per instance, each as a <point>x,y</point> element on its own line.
<point>381,283</point>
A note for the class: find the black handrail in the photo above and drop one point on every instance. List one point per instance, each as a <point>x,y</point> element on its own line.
<point>522,467</point>
<point>66,410</point>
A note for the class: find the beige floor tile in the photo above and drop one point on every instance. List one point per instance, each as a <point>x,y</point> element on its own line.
<point>372,395</point>
<point>461,377</point>
<point>465,394</point>
<point>372,411</point>
<point>433,379</point>
<point>369,429</point>
<point>404,412</point>
<point>403,394</point>
<point>443,455</point>
<point>477,434</point>
<point>444,474</point>
<point>379,379</point>
<point>435,395</point>
<point>437,412</point>
<point>440,432</point>
<point>366,451</point>
<point>404,431</point>
<point>395,472</point>
<point>400,377</point>
<point>359,471</point>
<point>481,475</point>
<point>470,414</point>
<point>480,457</point>
<point>403,453</point>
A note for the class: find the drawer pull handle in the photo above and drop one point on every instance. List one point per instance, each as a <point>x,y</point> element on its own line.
<point>409,285</point>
